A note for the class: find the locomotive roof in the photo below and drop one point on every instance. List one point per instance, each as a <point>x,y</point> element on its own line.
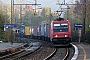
<point>59,19</point>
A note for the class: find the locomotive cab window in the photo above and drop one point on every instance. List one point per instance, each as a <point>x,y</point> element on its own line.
<point>63,27</point>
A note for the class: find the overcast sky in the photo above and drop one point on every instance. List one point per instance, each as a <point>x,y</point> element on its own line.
<point>51,3</point>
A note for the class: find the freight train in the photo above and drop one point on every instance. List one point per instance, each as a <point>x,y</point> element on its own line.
<point>58,32</point>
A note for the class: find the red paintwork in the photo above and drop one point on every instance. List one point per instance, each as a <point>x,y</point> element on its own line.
<point>60,34</point>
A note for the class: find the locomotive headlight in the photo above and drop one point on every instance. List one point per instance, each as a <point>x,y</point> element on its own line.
<point>55,36</point>
<point>66,35</point>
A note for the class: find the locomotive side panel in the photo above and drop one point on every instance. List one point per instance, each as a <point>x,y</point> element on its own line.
<point>69,29</point>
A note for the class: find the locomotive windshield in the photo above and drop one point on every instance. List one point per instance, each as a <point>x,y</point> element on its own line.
<point>63,27</point>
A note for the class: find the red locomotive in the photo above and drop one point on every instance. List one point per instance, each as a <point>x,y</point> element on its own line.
<point>60,32</point>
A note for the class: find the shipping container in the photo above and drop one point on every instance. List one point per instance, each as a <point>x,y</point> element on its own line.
<point>39,30</point>
<point>32,31</point>
<point>45,30</point>
<point>21,31</point>
<point>48,30</point>
<point>35,30</point>
<point>42,30</point>
<point>27,30</point>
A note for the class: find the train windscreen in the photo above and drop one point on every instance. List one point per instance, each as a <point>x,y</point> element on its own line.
<point>63,27</point>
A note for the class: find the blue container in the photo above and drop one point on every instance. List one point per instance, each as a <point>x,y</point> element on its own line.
<point>44,30</point>
<point>32,31</point>
<point>21,30</point>
<point>39,30</point>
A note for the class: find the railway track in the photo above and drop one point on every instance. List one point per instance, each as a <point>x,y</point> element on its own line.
<point>49,52</point>
<point>45,51</point>
<point>59,54</point>
<point>23,52</point>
